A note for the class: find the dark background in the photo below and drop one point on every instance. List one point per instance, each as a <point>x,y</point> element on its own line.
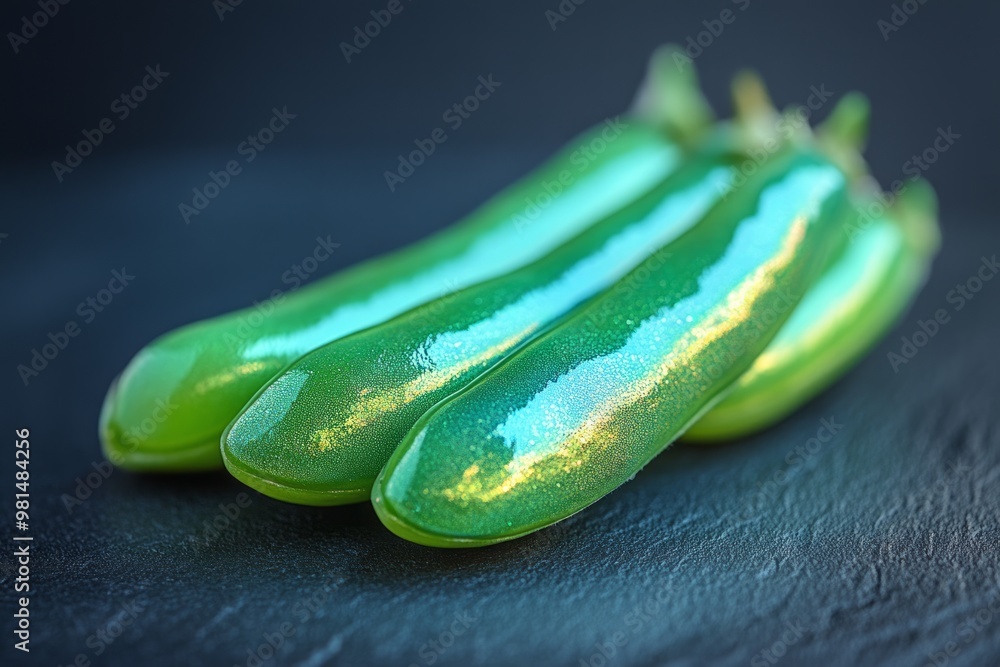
<point>878,550</point>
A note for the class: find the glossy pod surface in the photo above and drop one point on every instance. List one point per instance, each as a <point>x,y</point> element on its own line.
<point>856,300</point>
<point>191,383</point>
<point>320,432</point>
<point>580,409</point>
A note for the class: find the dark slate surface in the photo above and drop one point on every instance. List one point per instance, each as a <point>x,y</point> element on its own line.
<point>878,547</point>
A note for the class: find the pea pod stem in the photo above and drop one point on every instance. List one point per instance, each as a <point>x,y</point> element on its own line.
<point>671,99</point>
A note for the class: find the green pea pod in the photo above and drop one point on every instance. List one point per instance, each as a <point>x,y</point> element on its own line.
<point>320,431</point>
<point>169,407</point>
<point>854,303</point>
<point>580,409</point>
